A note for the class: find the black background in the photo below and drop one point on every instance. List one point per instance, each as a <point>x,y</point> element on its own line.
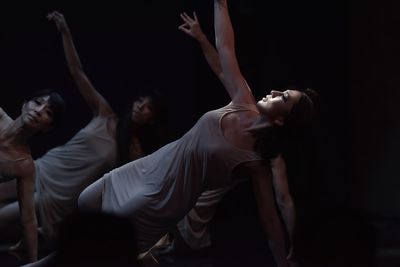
<point>347,51</point>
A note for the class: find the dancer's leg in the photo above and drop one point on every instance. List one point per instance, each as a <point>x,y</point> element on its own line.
<point>91,198</point>
<point>194,228</point>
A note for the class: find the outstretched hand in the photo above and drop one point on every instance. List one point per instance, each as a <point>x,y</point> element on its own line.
<point>59,20</point>
<point>191,26</point>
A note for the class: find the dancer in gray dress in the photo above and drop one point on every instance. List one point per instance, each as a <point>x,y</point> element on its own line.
<point>225,144</point>
<point>104,143</point>
<point>40,113</point>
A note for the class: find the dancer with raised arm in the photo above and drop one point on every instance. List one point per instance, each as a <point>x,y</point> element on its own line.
<point>194,227</point>
<point>104,143</point>
<point>231,142</point>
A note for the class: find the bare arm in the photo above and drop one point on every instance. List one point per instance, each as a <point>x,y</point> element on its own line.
<point>283,197</point>
<point>271,224</point>
<point>93,98</point>
<point>25,188</point>
<point>234,81</point>
<point>192,28</point>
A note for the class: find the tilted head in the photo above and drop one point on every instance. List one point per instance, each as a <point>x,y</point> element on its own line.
<point>288,111</point>
<point>144,119</point>
<point>42,111</point>
<point>292,107</point>
<point>148,108</point>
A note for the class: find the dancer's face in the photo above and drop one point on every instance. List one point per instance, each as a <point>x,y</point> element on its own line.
<point>278,104</point>
<point>36,113</point>
<point>143,111</point>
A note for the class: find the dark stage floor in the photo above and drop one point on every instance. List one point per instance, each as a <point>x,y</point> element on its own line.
<point>229,251</point>
<point>244,258</point>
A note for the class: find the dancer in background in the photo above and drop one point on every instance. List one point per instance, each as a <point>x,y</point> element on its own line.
<point>104,143</point>
<point>40,113</point>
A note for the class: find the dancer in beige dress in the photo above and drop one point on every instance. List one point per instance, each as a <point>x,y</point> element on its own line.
<point>194,228</point>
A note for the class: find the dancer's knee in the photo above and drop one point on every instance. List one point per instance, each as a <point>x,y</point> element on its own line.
<point>90,198</point>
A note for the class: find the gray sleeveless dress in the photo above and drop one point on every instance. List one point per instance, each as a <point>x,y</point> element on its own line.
<point>162,187</point>
<point>65,171</point>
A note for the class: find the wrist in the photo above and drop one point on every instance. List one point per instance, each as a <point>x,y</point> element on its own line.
<point>65,31</point>
<point>201,38</point>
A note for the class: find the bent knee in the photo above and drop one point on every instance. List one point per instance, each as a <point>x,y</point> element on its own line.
<point>90,199</point>
<point>82,201</point>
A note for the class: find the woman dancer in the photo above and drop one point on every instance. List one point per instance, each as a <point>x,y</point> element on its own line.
<point>193,229</point>
<point>158,190</point>
<point>40,112</point>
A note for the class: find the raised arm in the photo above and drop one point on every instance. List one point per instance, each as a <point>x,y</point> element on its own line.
<point>94,99</point>
<point>192,28</point>
<point>25,188</point>
<point>234,81</point>
<point>270,221</point>
<point>284,198</point>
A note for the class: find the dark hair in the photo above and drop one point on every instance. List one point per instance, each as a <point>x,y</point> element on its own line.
<point>151,136</point>
<point>303,112</point>
<point>96,239</point>
<point>268,141</point>
<point>273,140</point>
<point>56,104</point>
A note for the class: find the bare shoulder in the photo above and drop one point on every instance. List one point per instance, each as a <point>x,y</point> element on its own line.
<point>256,167</point>
<point>112,123</point>
<point>244,96</point>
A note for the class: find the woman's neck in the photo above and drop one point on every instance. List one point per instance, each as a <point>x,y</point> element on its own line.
<point>258,123</point>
